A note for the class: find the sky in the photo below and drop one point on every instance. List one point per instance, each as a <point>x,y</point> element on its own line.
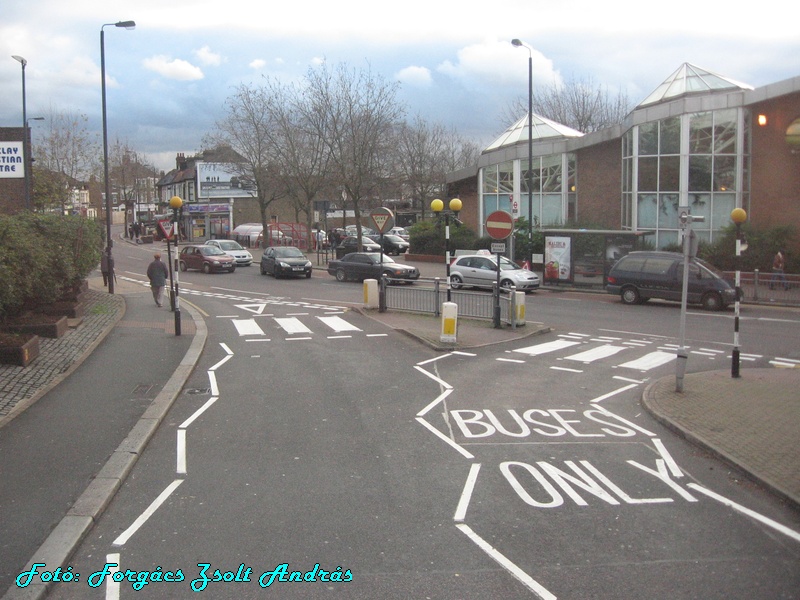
<point>169,78</point>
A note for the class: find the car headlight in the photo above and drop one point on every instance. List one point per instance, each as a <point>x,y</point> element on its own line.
<point>283,265</point>
<point>308,263</point>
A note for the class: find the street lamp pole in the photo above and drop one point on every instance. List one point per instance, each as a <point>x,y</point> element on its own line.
<point>25,138</point>
<point>109,243</point>
<point>738,216</point>
<point>529,177</point>
<point>454,206</point>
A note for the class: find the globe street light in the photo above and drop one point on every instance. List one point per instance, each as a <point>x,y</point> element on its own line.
<point>25,137</point>
<point>529,177</point>
<point>126,25</point>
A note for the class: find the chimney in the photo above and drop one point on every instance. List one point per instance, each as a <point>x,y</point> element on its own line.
<point>180,161</point>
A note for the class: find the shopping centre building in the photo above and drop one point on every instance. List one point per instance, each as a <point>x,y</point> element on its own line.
<point>700,140</point>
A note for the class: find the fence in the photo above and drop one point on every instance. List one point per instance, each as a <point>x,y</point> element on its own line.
<point>756,287</point>
<point>427,296</point>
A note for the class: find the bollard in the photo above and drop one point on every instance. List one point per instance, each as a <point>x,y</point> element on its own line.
<point>370,293</point>
<point>449,323</point>
<point>519,309</point>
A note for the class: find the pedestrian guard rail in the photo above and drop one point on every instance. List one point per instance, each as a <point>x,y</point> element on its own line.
<point>758,287</point>
<point>427,295</point>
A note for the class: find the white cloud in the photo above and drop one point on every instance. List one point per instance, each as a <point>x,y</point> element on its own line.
<point>207,57</point>
<point>500,63</point>
<point>415,76</point>
<point>174,68</point>
<point>257,64</point>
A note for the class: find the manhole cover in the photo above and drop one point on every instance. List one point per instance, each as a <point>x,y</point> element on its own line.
<point>198,391</point>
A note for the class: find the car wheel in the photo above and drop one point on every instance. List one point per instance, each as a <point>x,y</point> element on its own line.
<point>183,266</point>
<point>712,301</point>
<point>456,282</point>
<point>206,268</point>
<point>308,275</point>
<point>263,270</point>
<point>630,295</point>
<point>506,284</point>
<point>233,268</point>
<point>341,275</point>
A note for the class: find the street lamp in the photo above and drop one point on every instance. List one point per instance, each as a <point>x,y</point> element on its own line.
<point>529,177</point>
<point>738,216</point>
<point>175,204</point>
<point>454,206</point>
<point>126,25</point>
<point>25,138</point>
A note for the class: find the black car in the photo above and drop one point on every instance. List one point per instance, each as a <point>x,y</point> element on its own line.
<point>285,261</point>
<point>392,244</point>
<point>368,265</point>
<point>639,276</point>
<point>367,245</point>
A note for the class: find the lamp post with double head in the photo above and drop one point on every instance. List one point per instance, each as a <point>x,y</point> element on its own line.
<point>453,207</point>
<point>126,25</point>
<point>529,176</point>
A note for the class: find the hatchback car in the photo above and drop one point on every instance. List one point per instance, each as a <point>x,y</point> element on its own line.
<point>205,258</point>
<point>370,265</point>
<point>480,270</point>
<point>639,276</point>
<point>351,243</point>
<point>242,257</point>
<point>285,261</point>
<point>392,244</point>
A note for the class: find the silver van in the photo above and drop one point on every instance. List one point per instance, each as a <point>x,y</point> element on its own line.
<point>639,276</point>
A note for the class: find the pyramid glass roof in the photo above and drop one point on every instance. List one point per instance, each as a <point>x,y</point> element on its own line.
<point>690,79</point>
<point>543,129</point>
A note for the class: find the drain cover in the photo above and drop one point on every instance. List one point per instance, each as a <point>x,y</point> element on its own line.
<point>198,391</point>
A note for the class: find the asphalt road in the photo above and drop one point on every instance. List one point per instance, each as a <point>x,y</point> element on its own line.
<point>311,435</point>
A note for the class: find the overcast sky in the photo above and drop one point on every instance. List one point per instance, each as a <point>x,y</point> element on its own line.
<point>169,78</point>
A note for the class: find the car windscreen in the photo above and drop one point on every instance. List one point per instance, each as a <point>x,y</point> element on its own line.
<point>375,257</point>
<point>288,252</point>
<point>507,265</point>
<point>230,246</point>
<point>712,270</point>
<point>211,251</point>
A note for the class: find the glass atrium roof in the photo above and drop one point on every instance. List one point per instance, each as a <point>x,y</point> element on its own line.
<point>689,79</point>
<point>543,129</point>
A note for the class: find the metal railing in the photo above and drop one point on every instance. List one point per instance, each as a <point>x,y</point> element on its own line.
<point>760,287</point>
<point>428,295</point>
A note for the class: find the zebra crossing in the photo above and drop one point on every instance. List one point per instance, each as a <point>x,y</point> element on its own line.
<point>300,326</point>
<point>642,355</point>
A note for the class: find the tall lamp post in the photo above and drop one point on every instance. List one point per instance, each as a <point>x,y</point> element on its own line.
<point>109,243</point>
<point>529,177</point>
<point>738,216</point>
<point>453,207</point>
<point>175,204</point>
<point>25,138</point>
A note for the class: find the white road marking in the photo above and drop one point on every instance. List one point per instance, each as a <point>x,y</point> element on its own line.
<point>338,324</point>
<point>546,347</point>
<point>466,494</point>
<point>292,325</point>
<point>149,511</point>
<point>650,360</point>
<point>598,353</point>
<point>247,327</point>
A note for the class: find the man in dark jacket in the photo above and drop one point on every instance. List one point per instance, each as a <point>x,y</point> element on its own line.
<point>157,274</point>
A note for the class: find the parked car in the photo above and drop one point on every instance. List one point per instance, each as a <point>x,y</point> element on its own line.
<point>401,232</point>
<point>351,244</point>
<point>205,258</point>
<point>285,261</point>
<point>639,276</point>
<point>392,244</point>
<point>368,265</point>
<point>352,230</point>
<point>242,257</point>
<point>480,270</point>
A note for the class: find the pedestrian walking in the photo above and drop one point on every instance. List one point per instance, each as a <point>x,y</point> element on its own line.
<point>137,229</point>
<point>157,274</point>
<point>778,274</point>
<point>104,267</point>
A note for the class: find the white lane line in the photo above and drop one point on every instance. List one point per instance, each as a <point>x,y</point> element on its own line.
<point>377,335</point>
<point>225,347</point>
<point>511,360</point>
<point>526,580</point>
<point>567,370</point>
<point>180,454</point>
<point>222,362</point>
<point>546,347</point>
<point>197,413</point>
<point>441,382</point>
<point>212,383</point>
<point>598,353</point>
<point>292,325</point>
<point>466,494</point>
<point>338,324</point>
<point>149,511</point>
<point>444,438</point>
<point>651,360</point>
<point>439,399</point>
<point>112,586</point>
<point>627,379</point>
<point>746,511</point>
<point>614,393</point>
<point>247,327</point>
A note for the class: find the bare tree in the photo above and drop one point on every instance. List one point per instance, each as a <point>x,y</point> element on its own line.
<point>580,104</point>
<point>354,113</point>
<point>128,171</point>
<point>67,155</point>
<point>249,130</point>
<point>425,153</point>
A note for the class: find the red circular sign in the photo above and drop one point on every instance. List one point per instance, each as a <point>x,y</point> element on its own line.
<point>499,225</point>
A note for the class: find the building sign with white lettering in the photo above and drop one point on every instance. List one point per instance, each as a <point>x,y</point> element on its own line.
<point>12,164</point>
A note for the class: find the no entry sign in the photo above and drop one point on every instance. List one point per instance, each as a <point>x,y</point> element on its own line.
<point>499,225</point>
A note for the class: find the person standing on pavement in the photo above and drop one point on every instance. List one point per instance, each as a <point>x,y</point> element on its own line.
<point>104,267</point>
<point>157,274</point>
<point>778,266</point>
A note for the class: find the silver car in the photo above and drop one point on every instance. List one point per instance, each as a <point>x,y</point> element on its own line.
<point>242,257</point>
<point>480,270</point>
